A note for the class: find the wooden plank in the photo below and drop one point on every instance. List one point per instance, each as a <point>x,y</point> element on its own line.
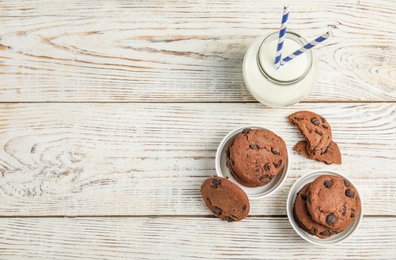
<point>184,51</point>
<point>174,238</point>
<point>150,159</point>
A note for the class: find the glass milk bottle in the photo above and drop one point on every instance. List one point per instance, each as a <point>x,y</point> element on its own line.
<point>286,85</point>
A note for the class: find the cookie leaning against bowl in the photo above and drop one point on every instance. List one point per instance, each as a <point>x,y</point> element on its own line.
<point>256,156</point>
<point>315,129</point>
<point>304,219</point>
<point>225,199</point>
<point>333,202</point>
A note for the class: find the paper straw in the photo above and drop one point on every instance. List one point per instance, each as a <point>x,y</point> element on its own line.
<point>282,33</point>
<point>307,47</point>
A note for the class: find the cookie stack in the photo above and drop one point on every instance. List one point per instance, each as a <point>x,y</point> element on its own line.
<point>318,144</point>
<point>256,156</point>
<point>326,206</point>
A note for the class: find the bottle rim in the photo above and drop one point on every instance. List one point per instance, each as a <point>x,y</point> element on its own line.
<point>291,36</point>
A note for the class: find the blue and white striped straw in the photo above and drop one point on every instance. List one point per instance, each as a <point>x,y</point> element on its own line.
<point>282,33</point>
<point>307,47</point>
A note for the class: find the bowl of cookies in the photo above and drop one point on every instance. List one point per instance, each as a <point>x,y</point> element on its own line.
<point>324,207</point>
<point>254,158</point>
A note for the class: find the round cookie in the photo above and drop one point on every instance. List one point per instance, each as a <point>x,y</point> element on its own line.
<point>304,219</point>
<point>225,199</point>
<point>315,129</point>
<point>333,202</point>
<point>256,156</point>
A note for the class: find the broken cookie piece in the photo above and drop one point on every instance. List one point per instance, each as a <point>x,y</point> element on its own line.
<point>318,144</point>
<point>315,130</point>
<point>331,155</point>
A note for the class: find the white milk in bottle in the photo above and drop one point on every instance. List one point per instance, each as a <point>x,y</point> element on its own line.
<point>286,85</point>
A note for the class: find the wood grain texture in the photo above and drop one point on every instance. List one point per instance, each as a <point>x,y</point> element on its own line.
<point>111,113</point>
<point>167,238</point>
<point>150,159</point>
<point>184,51</point>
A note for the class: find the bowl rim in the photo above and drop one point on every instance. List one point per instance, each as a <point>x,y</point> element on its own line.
<point>219,171</point>
<point>338,238</point>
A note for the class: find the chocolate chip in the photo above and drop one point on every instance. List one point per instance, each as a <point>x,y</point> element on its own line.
<point>244,207</point>
<point>297,118</point>
<point>263,177</point>
<point>217,211</point>
<point>253,146</point>
<point>323,120</point>
<point>327,149</point>
<point>331,219</point>
<point>305,196</point>
<point>325,126</point>
<point>274,151</point>
<point>267,167</point>
<point>314,151</point>
<point>278,163</point>
<point>315,121</point>
<point>352,214</point>
<point>216,182</point>
<point>229,219</point>
<point>245,131</point>
<point>325,233</point>
<point>210,202</point>
<point>313,230</point>
<point>318,132</point>
<point>232,161</point>
<point>328,183</point>
<point>346,183</point>
<point>349,193</point>
<point>344,211</point>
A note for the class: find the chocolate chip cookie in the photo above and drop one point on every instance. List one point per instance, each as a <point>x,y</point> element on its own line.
<point>331,155</point>
<point>315,129</point>
<point>225,199</point>
<point>333,202</point>
<point>304,219</point>
<point>256,156</point>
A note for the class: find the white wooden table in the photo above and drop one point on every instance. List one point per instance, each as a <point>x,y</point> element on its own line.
<point>111,113</point>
